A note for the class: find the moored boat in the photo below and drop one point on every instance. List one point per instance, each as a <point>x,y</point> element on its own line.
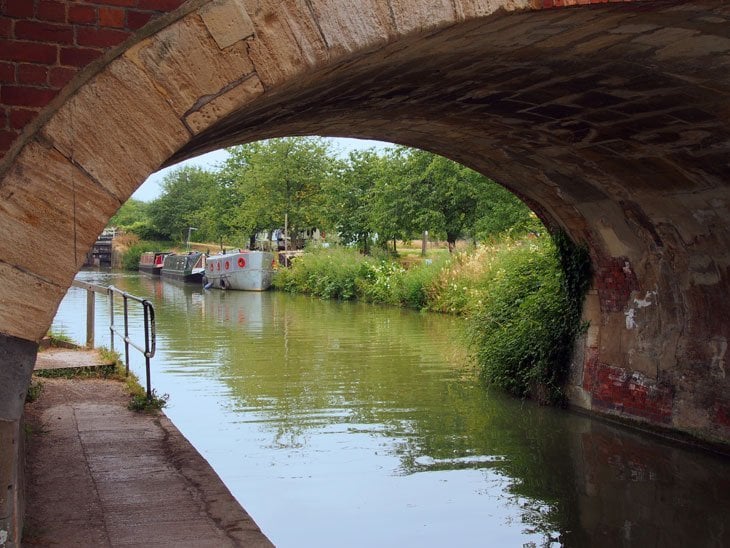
<point>184,267</point>
<point>242,270</point>
<point>151,262</point>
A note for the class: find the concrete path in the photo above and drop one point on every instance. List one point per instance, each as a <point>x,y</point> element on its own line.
<point>101,475</point>
<point>64,358</point>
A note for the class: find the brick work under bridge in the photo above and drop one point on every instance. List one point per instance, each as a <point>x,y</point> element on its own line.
<point>610,119</point>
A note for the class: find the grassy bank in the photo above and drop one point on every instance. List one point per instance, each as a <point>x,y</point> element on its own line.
<point>522,299</point>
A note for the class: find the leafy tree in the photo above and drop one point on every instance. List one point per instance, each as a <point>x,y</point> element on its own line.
<point>278,179</point>
<point>187,193</point>
<point>393,207</point>
<point>348,197</point>
<point>131,212</point>
<point>430,192</point>
<point>502,212</point>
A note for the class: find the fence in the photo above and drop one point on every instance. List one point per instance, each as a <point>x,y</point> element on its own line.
<point>148,350</point>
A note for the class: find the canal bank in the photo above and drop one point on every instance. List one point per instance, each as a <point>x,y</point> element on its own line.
<point>100,475</point>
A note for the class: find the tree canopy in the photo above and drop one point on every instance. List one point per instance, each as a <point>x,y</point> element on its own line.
<point>382,196</point>
<point>185,202</point>
<point>277,180</point>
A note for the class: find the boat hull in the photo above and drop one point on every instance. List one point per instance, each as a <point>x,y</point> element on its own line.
<point>152,270</point>
<point>242,271</point>
<point>151,262</point>
<point>188,268</point>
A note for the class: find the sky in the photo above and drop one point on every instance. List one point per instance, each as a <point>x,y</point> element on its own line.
<point>151,188</point>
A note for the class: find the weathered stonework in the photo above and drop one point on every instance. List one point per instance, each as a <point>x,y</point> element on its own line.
<point>227,22</point>
<point>192,70</point>
<point>610,120</point>
<point>17,358</point>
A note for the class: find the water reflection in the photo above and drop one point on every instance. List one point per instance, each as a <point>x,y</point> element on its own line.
<point>340,424</point>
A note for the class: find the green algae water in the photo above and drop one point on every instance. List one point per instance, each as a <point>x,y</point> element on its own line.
<point>350,425</point>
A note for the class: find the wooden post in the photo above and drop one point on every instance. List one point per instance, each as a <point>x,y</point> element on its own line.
<point>90,320</point>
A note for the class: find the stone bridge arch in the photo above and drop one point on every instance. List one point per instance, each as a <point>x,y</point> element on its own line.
<point>611,120</point>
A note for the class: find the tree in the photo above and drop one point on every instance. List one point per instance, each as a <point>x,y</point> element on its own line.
<point>185,202</point>
<point>348,198</point>
<point>279,179</point>
<point>439,195</point>
<point>131,212</point>
<point>393,205</point>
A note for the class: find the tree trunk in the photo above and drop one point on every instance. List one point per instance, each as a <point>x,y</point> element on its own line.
<point>451,240</point>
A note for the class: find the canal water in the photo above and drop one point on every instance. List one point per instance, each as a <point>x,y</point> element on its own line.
<point>341,424</point>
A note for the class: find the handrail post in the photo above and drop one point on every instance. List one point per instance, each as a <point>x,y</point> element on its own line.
<point>111,317</point>
<point>147,348</point>
<point>90,318</point>
<point>126,334</point>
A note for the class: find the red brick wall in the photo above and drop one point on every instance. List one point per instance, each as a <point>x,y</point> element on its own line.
<point>44,43</point>
<point>630,393</point>
<point>614,280</point>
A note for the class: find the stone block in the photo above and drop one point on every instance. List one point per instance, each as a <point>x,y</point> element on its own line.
<point>612,329</point>
<point>186,66</point>
<point>225,104</point>
<point>17,357</point>
<point>29,303</point>
<point>422,16</point>
<point>227,21</point>
<point>467,9</point>
<point>346,30</point>
<point>287,40</point>
<point>118,128</point>
<point>47,200</point>
<point>616,237</point>
<point>10,496</point>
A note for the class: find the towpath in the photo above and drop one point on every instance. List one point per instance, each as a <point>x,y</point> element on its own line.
<point>100,475</point>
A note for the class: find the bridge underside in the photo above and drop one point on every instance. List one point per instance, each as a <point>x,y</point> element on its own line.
<point>611,121</point>
<point>613,125</point>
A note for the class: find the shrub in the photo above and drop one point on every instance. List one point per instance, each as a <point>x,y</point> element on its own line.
<point>140,402</point>
<point>378,281</point>
<point>34,391</point>
<point>413,287</point>
<point>328,273</point>
<point>525,331</point>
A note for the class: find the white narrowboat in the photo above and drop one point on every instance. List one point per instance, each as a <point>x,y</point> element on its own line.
<point>242,270</point>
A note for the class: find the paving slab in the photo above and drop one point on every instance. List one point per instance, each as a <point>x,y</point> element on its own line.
<point>67,358</point>
<point>101,475</point>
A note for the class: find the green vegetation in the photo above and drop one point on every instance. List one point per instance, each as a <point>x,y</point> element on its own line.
<point>529,316</point>
<point>273,182</point>
<point>99,372</point>
<point>56,339</point>
<point>34,391</point>
<point>522,298</point>
<point>370,197</point>
<point>521,290</point>
<point>138,395</point>
<point>140,402</point>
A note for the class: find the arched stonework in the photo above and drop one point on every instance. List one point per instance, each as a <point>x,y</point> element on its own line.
<point>611,120</point>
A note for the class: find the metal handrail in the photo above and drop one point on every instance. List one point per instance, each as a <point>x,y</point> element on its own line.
<point>150,339</point>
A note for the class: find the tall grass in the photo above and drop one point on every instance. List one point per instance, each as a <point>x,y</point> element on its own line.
<point>522,299</point>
